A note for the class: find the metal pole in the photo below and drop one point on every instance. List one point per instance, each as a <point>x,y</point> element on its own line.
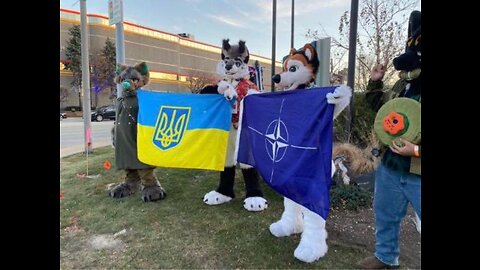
<point>323,52</point>
<point>119,44</point>
<point>292,31</point>
<point>274,19</point>
<point>352,48</point>
<point>85,75</point>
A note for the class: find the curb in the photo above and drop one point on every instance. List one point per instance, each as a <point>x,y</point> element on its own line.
<point>78,148</point>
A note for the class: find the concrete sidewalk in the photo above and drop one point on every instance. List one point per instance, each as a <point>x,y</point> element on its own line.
<point>67,151</point>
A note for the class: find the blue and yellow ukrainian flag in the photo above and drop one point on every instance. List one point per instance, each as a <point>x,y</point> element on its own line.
<point>183,130</point>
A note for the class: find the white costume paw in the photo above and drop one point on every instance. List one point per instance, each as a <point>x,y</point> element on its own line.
<point>313,244</point>
<point>222,87</point>
<point>230,93</point>
<point>214,198</point>
<point>340,98</point>
<point>283,228</point>
<point>226,89</point>
<point>255,204</point>
<point>339,95</point>
<point>291,221</point>
<point>310,251</point>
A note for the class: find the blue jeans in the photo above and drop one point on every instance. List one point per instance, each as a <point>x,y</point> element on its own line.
<point>393,191</point>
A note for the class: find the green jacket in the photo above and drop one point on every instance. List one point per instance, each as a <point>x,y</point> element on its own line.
<point>126,133</point>
<point>376,96</point>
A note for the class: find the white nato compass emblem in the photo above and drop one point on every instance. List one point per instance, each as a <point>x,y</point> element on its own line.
<point>276,140</point>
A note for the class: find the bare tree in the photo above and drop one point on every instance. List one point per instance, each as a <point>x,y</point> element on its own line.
<point>102,70</point>
<point>381,37</point>
<point>197,80</point>
<point>101,75</point>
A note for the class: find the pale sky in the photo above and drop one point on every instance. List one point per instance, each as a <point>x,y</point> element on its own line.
<point>212,20</point>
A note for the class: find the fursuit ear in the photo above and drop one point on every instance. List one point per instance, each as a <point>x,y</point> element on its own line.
<point>292,51</point>
<point>225,47</point>
<point>118,70</point>
<point>242,49</point>
<point>241,46</point>
<point>312,57</point>
<point>142,68</point>
<point>247,57</point>
<point>309,52</point>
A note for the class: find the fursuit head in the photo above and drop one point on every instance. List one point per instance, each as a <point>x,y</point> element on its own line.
<point>299,71</point>
<point>235,84</point>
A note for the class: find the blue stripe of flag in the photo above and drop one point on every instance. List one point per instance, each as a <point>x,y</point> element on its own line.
<point>205,109</point>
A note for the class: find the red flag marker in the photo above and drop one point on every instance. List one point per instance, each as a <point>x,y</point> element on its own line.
<point>107,165</point>
<point>89,136</point>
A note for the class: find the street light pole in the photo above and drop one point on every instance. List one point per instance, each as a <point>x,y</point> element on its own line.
<point>115,16</point>
<point>274,21</point>
<point>292,31</point>
<point>323,52</point>
<point>352,48</point>
<point>119,44</point>
<point>85,77</point>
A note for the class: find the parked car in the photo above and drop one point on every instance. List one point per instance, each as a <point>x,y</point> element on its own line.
<point>105,112</point>
<point>63,115</point>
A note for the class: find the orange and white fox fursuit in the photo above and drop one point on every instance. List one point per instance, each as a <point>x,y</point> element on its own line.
<point>299,71</point>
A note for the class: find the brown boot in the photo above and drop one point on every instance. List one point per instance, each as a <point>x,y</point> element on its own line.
<point>374,263</point>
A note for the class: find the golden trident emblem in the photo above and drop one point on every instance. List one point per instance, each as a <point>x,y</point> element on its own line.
<point>171,125</point>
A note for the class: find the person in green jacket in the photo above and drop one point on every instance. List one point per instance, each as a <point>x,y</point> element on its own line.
<point>132,78</point>
<point>398,177</point>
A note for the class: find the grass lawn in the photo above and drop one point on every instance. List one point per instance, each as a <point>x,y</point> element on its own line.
<point>178,232</point>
